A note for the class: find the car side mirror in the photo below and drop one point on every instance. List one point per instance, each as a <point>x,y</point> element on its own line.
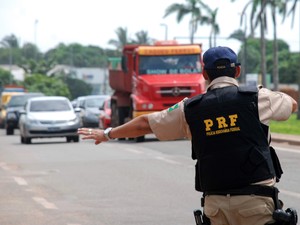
<point>22,112</point>
<point>77,109</point>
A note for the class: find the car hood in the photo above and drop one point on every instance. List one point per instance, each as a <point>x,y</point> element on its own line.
<point>67,115</point>
<point>93,110</point>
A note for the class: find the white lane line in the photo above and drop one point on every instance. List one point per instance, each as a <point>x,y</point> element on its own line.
<point>167,160</point>
<point>73,224</point>
<point>45,203</point>
<point>4,166</point>
<point>133,151</point>
<point>20,181</point>
<point>289,193</point>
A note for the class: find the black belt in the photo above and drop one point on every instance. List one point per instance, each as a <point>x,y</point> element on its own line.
<point>259,190</point>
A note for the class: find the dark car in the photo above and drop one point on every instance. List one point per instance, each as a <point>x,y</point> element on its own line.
<point>89,109</point>
<point>13,107</point>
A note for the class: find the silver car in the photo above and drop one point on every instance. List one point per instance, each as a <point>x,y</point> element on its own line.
<point>46,117</point>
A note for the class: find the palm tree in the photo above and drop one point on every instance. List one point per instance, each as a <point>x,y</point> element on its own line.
<point>142,38</point>
<point>193,8</point>
<point>258,17</point>
<point>293,11</point>
<point>241,36</point>
<point>211,19</point>
<point>10,41</point>
<point>122,40</point>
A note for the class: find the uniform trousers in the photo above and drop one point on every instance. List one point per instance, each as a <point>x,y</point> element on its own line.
<point>239,209</point>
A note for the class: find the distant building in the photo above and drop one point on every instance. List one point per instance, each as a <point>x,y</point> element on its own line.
<point>95,76</point>
<point>17,72</point>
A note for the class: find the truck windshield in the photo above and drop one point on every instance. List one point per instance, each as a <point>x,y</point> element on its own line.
<point>169,64</point>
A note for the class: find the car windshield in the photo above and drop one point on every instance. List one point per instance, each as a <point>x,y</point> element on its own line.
<point>49,105</point>
<point>94,102</point>
<point>170,64</point>
<point>18,100</point>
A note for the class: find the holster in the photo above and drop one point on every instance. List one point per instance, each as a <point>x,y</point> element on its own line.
<point>201,218</point>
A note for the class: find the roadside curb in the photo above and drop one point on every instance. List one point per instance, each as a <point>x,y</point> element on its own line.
<point>291,139</point>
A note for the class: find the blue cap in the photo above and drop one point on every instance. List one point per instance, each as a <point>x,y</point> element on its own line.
<point>217,53</point>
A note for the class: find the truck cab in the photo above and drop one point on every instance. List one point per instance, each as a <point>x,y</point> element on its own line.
<point>151,78</point>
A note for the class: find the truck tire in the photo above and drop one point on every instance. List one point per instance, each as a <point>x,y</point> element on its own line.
<point>114,114</point>
<point>123,114</point>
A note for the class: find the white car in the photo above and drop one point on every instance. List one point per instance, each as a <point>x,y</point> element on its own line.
<point>48,116</point>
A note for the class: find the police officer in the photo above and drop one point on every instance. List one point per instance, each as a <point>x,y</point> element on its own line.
<point>229,130</point>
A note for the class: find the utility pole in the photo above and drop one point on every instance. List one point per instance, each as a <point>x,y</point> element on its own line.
<point>166,30</point>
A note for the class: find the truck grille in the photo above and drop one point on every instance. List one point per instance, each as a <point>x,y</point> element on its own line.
<point>176,91</point>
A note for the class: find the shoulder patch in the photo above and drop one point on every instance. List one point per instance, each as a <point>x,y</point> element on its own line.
<point>173,107</point>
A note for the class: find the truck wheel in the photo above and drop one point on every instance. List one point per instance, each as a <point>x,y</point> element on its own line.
<point>123,114</point>
<point>9,131</point>
<point>114,114</point>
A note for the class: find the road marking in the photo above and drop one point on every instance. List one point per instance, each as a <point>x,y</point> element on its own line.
<point>287,150</point>
<point>167,160</point>
<point>133,151</point>
<point>45,203</point>
<point>20,181</point>
<point>290,193</point>
<point>4,166</point>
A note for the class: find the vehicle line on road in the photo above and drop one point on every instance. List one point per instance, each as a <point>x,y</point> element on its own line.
<point>167,160</point>
<point>4,166</point>
<point>44,203</point>
<point>20,181</point>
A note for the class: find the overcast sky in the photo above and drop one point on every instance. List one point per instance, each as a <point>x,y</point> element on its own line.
<point>94,22</point>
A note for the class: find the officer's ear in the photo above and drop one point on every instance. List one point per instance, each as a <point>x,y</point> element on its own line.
<point>237,71</point>
<point>205,75</point>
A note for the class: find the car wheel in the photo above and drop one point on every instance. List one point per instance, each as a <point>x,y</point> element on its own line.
<point>27,140</point>
<point>76,139</point>
<point>22,140</point>
<point>69,139</point>
<point>9,131</point>
<point>140,139</point>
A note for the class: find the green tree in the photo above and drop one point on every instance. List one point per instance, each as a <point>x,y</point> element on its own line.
<point>193,8</point>
<point>47,85</point>
<point>77,87</point>
<point>5,78</point>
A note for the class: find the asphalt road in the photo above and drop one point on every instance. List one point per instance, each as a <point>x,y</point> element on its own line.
<point>51,182</point>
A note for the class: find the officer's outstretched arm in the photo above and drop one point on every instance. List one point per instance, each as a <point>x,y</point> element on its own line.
<point>139,126</point>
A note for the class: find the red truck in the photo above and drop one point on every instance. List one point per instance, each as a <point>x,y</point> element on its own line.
<point>151,78</point>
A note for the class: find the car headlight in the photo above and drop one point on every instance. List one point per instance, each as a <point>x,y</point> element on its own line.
<point>32,121</point>
<point>147,106</point>
<point>74,120</point>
